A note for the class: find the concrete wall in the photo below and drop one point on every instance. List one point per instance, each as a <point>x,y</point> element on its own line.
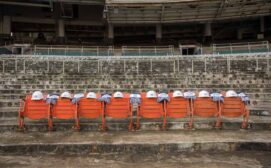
<point>24,74</point>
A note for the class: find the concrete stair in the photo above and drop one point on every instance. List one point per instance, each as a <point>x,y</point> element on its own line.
<point>23,75</point>
<point>85,143</point>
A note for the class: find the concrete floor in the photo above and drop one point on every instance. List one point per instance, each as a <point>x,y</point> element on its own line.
<point>244,159</point>
<point>137,137</point>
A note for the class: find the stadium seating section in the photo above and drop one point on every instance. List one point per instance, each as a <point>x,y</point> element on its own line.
<point>121,108</point>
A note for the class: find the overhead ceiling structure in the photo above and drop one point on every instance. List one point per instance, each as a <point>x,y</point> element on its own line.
<point>48,3</point>
<point>178,11</point>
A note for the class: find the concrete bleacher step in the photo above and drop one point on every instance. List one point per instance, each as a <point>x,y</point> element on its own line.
<point>211,159</point>
<point>67,85</point>
<point>255,123</point>
<point>126,88</point>
<point>155,142</point>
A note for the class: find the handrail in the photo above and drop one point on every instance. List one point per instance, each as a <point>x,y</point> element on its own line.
<point>119,57</point>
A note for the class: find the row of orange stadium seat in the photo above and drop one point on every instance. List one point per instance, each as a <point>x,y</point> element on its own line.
<point>122,108</point>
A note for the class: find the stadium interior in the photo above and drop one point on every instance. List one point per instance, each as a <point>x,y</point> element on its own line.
<point>105,46</point>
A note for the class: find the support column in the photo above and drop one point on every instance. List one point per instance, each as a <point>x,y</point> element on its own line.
<point>240,34</point>
<point>61,30</point>
<point>262,25</point>
<point>208,32</point>
<point>158,34</point>
<point>110,33</point>
<point>262,28</point>
<point>5,25</point>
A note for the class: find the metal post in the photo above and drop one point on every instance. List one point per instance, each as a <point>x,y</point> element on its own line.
<point>78,66</point>
<point>178,63</point>
<point>3,66</point>
<point>268,66</point>
<point>257,65</point>
<point>63,67</point>
<point>24,65</point>
<point>124,66</point>
<point>192,66</point>
<point>97,51</point>
<point>205,65</point>
<point>98,66</point>
<point>151,64</point>
<point>229,65</point>
<point>137,65</point>
<point>15,64</point>
<point>174,66</point>
<point>48,66</point>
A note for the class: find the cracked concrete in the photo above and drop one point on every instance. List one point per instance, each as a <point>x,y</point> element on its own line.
<point>246,159</point>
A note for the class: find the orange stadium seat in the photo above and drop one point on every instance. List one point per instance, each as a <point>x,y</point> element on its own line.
<point>205,107</point>
<point>34,109</point>
<point>149,108</point>
<point>178,107</point>
<point>90,108</point>
<point>120,108</point>
<point>235,107</point>
<point>65,109</point>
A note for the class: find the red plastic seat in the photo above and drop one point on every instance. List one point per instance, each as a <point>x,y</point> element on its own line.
<point>65,109</point>
<point>120,108</point>
<point>235,107</point>
<point>178,107</point>
<point>35,110</point>
<point>90,108</point>
<point>149,108</point>
<point>205,107</point>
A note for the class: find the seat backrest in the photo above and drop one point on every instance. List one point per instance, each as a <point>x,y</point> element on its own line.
<point>89,108</point>
<point>150,108</point>
<point>177,107</point>
<point>36,109</point>
<point>119,107</point>
<point>205,107</point>
<point>233,107</point>
<point>64,109</point>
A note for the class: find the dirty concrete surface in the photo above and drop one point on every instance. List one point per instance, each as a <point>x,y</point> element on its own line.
<point>244,159</point>
<point>138,137</point>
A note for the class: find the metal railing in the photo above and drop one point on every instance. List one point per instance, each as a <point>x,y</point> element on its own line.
<point>73,50</point>
<point>25,63</point>
<point>147,50</point>
<point>234,48</point>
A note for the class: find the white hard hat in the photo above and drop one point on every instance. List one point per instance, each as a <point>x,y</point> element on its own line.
<point>118,95</point>
<point>204,93</point>
<point>91,95</point>
<point>66,95</point>
<point>177,93</point>
<point>37,95</point>
<point>231,93</point>
<point>151,94</point>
